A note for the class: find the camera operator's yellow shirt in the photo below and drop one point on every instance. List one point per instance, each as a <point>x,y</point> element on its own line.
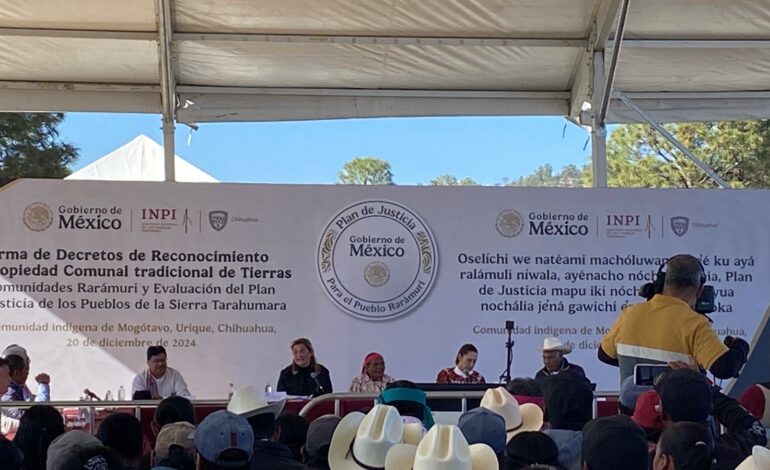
<point>663,329</point>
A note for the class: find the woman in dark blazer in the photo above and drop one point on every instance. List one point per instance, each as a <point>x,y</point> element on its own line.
<point>305,376</point>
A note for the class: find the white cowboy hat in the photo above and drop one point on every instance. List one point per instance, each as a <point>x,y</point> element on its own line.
<point>555,344</point>
<point>758,460</point>
<point>443,448</point>
<point>518,418</point>
<point>362,441</point>
<point>248,402</point>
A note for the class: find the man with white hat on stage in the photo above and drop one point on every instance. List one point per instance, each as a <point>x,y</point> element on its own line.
<point>554,361</point>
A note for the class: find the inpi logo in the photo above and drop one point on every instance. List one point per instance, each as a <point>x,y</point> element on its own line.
<point>623,220</point>
<point>377,260</point>
<point>158,214</point>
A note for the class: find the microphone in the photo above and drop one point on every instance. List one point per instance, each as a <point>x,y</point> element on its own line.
<point>91,394</point>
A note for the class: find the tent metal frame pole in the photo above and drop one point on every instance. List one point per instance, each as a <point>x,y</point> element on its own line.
<point>598,129</point>
<point>671,138</point>
<point>617,43</point>
<point>168,87</point>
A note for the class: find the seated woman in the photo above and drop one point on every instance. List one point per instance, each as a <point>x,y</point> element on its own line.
<point>462,372</point>
<point>373,378</point>
<point>305,376</point>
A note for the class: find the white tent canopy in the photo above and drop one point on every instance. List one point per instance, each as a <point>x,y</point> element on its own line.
<point>139,160</point>
<point>231,60</point>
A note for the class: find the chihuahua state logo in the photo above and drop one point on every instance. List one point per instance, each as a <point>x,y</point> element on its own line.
<point>377,260</point>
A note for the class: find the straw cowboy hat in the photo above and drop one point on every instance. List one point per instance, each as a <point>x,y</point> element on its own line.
<point>248,402</point>
<point>443,448</point>
<point>758,460</point>
<point>555,344</point>
<point>362,441</point>
<point>518,418</point>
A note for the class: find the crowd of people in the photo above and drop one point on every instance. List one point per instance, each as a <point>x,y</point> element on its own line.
<point>681,422</point>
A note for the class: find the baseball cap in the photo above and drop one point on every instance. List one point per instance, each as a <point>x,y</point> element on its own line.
<point>175,434</point>
<point>67,446</point>
<point>685,395</point>
<point>319,434</point>
<point>222,431</point>
<point>483,426</point>
<point>646,412</point>
<point>614,442</point>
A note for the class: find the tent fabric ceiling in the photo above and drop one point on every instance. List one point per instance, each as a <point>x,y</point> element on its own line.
<point>236,60</point>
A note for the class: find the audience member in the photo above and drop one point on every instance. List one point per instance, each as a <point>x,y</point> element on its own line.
<point>305,376</point>
<point>683,446</point>
<point>39,426</point>
<point>94,458</point>
<point>363,440</point>
<point>174,447</point>
<point>554,362</point>
<point>482,426</point>
<point>525,386</point>
<point>43,379</point>
<point>17,390</point>
<point>319,437</point>
<point>172,410</point>
<point>68,446</point>
<point>530,448</point>
<point>647,415</point>
<point>268,453</point>
<point>10,455</point>
<point>224,441</point>
<point>568,407</point>
<point>518,418</point>
<point>614,443</point>
<point>373,378</point>
<point>758,460</point>
<point>443,447</point>
<point>462,372</point>
<point>292,432</point>
<point>122,433</point>
<point>410,402</point>
<point>158,378</point>
<point>756,399</point>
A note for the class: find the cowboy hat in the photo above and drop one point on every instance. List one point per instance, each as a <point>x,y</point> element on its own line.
<point>758,460</point>
<point>363,441</point>
<point>443,448</point>
<point>247,402</point>
<point>555,344</point>
<point>518,418</point>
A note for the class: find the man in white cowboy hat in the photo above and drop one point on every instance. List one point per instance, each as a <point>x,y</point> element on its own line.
<point>362,441</point>
<point>443,448</point>
<point>554,350</point>
<point>518,418</point>
<point>269,454</point>
<point>758,460</point>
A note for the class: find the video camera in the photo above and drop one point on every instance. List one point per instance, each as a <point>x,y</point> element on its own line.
<point>705,303</point>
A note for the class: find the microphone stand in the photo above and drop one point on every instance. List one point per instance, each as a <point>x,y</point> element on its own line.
<point>506,375</point>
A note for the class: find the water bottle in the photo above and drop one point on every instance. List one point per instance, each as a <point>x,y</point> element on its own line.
<point>230,390</point>
<point>108,395</point>
<point>122,393</point>
<point>268,389</point>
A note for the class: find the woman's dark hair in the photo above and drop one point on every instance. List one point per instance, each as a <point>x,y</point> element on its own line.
<point>293,433</point>
<point>524,386</point>
<point>305,342</point>
<point>173,410</point>
<point>465,349</point>
<point>687,444</point>
<point>122,433</point>
<point>39,425</point>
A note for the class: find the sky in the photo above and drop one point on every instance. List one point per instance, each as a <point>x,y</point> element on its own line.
<point>486,149</point>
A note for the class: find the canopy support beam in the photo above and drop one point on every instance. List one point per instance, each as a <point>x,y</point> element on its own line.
<point>671,138</point>
<point>167,87</point>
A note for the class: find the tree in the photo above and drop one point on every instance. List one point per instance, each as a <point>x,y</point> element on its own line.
<point>738,151</point>
<point>30,146</point>
<point>570,176</point>
<point>451,180</point>
<point>366,170</point>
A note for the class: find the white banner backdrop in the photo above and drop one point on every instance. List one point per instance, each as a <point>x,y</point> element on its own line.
<point>225,276</point>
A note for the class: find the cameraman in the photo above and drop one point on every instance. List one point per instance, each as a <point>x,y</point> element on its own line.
<point>667,328</point>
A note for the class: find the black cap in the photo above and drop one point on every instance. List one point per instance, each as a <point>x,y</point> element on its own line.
<point>531,447</point>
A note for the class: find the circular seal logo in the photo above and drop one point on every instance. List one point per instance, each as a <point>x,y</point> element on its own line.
<point>377,260</point>
<point>37,216</point>
<point>509,223</point>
